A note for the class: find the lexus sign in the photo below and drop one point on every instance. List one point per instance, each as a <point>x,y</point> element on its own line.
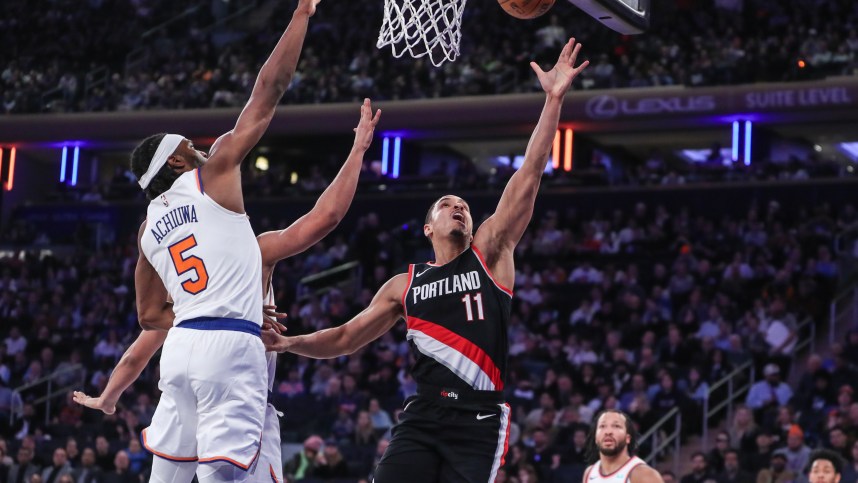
<point>610,107</point>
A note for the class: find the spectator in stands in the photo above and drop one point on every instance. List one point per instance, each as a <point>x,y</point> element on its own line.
<point>59,467</point>
<point>527,474</point>
<point>668,477</point>
<point>88,472</point>
<point>104,455</point>
<point>15,343</point>
<point>845,398</point>
<point>732,473</point>
<point>23,468</point>
<point>10,403</point>
<point>838,442</point>
<point>330,463</point>
<point>138,458</point>
<point>73,452</point>
<point>699,469</point>
<point>743,430</point>
<point>715,458</point>
<point>781,333</point>
<point>777,472</point>
<point>843,374</point>
<point>303,464</point>
<point>761,457</point>
<point>770,392</point>
<point>814,403</point>
<point>797,453</point>
<point>121,472</point>
<point>669,397</point>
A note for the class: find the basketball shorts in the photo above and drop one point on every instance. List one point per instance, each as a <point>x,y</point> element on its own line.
<point>461,438</point>
<point>270,468</point>
<point>213,394</point>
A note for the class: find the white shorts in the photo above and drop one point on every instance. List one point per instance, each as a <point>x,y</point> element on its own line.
<point>213,398</point>
<point>270,467</point>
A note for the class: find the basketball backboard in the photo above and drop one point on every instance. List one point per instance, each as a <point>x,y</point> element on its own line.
<point>622,16</point>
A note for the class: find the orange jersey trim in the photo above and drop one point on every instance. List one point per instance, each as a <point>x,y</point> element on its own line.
<point>185,459</point>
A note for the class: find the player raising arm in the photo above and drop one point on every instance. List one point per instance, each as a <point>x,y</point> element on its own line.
<point>308,230</point>
<point>456,310</point>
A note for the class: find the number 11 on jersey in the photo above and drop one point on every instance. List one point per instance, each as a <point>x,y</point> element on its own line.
<point>478,301</point>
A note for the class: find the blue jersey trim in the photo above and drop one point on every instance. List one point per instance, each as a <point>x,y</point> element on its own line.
<point>222,323</point>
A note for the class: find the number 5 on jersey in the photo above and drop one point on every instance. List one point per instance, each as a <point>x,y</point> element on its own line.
<point>478,301</point>
<point>186,264</point>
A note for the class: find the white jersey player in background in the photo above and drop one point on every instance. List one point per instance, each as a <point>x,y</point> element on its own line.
<point>274,246</point>
<point>614,438</point>
<point>198,249</point>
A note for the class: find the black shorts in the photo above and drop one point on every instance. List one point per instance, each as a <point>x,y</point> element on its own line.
<point>445,440</point>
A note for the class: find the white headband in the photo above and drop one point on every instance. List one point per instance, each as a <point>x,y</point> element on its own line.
<point>164,151</point>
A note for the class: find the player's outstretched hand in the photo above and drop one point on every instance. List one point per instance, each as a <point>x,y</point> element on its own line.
<point>557,81</point>
<point>366,126</point>
<point>308,6</point>
<point>269,319</point>
<point>273,341</point>
<point>94,403</point>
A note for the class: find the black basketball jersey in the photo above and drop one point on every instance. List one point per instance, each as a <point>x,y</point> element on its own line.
<point>457,318</point>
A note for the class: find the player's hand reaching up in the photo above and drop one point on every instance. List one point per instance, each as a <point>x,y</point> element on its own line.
<point>308,6</point>
<point>366,126</point>
<point>94,403</point>
<point>557,81</point>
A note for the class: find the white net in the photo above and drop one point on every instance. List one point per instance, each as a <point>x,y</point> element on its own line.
<point>423,27</point>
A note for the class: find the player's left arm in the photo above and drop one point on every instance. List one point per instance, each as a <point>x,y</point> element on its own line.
<point>221,175</point>
<point>331,206</point>
<point>499,234</point>
<point>645,474</point>
<point>154,312</point>
<point>129,368</point>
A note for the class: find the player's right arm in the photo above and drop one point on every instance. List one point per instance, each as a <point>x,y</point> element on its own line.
<point>154,312</point>
<point>221,177</point>
<point>383,312</point>
<point>586,474</point>
<point>331,206</point>
<point>129,368</point>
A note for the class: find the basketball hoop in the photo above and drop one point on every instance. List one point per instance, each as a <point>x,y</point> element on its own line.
<point>423,27</point>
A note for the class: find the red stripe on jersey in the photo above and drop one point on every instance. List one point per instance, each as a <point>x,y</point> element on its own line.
<point>461,345</point>
<point>488,272</point>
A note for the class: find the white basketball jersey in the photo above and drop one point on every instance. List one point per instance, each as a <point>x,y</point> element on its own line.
<point>595,474</point>
<point>206,255</point>
<point>271,357</point>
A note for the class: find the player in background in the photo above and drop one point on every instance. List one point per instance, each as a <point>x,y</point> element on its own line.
<point>274,246</point>
<point>612,442</point>
<point>457,311</point>
<point>826,466</point>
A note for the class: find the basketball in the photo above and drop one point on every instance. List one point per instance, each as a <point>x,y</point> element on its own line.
<point>526,9</point>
